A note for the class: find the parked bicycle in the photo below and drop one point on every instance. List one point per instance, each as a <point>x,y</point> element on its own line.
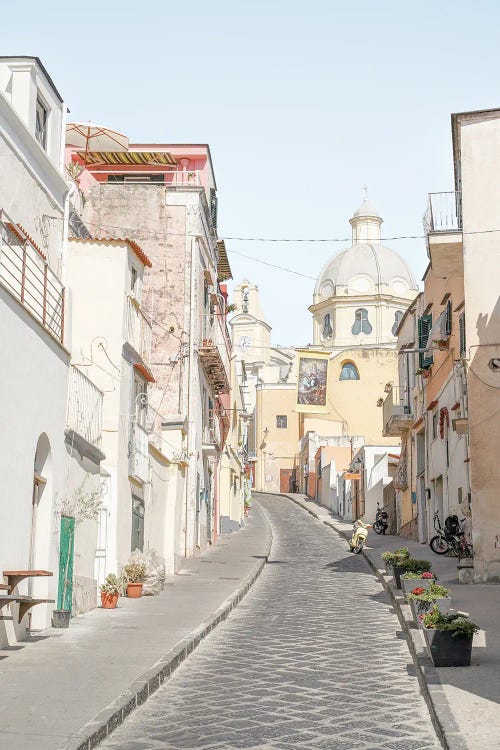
<point>450,538</point>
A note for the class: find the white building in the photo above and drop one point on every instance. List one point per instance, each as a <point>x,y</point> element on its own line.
<point>34,373</point>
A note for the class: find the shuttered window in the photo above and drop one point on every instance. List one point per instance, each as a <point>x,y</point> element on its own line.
<point>447,322</point>
<point>461,326</point>
<point>213,207</point>
<point>424,329</point>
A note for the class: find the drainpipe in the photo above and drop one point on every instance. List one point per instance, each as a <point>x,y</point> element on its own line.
<point>190,436</point>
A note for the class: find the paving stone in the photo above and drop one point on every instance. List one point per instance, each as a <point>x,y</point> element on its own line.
<point>311,659</point>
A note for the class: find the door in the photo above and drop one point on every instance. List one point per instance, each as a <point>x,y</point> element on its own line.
<point>137,541</point>
<point>38,487</point>
<point>66,556</point>
<point>438,498</point>
<point>286,480</point>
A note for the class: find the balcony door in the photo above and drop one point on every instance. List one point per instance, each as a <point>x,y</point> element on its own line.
<point>137,541</point>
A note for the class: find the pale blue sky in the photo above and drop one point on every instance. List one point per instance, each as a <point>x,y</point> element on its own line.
<point>301,103</point>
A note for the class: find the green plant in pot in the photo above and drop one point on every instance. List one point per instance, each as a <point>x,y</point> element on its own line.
<point>449,638</point>
<point>422,600</point>
<point>110,591</point>
<point>395,558</point>
<point>409,565</point>
<point>134,573</point>
<point>410,580</point>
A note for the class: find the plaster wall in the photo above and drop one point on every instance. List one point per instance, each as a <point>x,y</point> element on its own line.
<point>479,171</point>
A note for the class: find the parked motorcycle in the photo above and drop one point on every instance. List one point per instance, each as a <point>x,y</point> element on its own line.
<point>359,536</point>
<point>450,538</point>
<point>381,521</point>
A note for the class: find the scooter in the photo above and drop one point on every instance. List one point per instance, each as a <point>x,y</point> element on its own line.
<point>381,521</point>
<point>359,536</point>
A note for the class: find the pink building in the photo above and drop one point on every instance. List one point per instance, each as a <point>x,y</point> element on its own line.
<point>163,196</point>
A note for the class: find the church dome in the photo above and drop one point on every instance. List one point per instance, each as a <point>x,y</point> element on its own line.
<point>367,267</point>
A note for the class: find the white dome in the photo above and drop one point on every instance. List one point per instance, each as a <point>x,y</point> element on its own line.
<point>364,269</point>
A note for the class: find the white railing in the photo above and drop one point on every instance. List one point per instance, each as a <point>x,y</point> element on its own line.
<point>444,212</point>
<point>396,404</point>
<point>181,179</point>
<point>138,455</point>
<point>26,274</point>
<point>84,412</point>
<point>138,330</point>
<point>211,430</point>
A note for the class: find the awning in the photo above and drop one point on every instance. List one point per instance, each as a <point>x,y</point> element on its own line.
<point>130,158</point>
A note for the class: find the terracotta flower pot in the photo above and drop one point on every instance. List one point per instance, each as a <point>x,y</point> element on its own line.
<point>109,601</point>
<point>134,590</point>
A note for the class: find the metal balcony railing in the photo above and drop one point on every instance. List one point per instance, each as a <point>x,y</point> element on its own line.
<point>25,273</point>
<point>84,412</point>
<point>138,331</point>
<point>211,430</point>
<point>444,212</point>
<point>396,411</point>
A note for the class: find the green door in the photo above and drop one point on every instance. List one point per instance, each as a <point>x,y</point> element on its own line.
<point>66,554</point>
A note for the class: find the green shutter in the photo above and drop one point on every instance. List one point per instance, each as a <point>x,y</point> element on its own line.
<point>424,330</point>
<point>447,328</point>
<point>66,553</point>
<point>461,325</point>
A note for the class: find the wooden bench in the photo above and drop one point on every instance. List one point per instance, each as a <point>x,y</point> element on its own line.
<point>14,577</point>
<point>25,603</point>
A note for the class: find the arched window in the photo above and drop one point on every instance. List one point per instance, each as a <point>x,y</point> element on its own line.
<point>398,315</point>
<point>349,371</point>
<point>327,326</point>
<point>361,322</point>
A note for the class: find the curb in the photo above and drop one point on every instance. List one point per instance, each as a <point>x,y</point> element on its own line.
<point>102,725</point>
<point>428,678</point>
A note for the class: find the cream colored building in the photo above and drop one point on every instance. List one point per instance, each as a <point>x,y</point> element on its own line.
<point>359,299</point>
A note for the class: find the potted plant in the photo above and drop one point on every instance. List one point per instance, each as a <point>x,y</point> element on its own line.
<point>411,565</point>
<point>394,558</point>
<point>110,591</point>
<point>449,638</point>
<point>441,344</point>
<point>422,600</point>
<point>134,575</point>
<point>410,580</point>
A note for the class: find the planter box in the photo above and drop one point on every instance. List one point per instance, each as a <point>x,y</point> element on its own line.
<point>444,606</point>
<point>397,572</point>
<point>447,651</point>
<point>408,584</point>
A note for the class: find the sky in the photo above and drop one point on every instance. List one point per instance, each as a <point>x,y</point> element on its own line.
<point>302,103</point>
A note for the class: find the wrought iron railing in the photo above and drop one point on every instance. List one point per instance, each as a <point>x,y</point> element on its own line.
<point>138,330</point>
<point>397,404</point>
<point>84,412</point>
<point>25,273</point>
<point>444,212</point>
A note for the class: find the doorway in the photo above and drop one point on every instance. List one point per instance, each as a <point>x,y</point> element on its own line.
<point>137,541</point>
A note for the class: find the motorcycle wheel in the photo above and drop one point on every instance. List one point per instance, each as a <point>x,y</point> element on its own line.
<point>378,529</point>
<point>358,548</point>
<point>439,545</point>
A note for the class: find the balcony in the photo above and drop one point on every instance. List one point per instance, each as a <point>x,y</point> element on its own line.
<point>396,412</point>
<point>138,454</point>
<point>214,353</point>
<point>138,331</point>
<point>211,431</point>
<point>25,273</point>
<point>443,212</point>
<point>84,412</point>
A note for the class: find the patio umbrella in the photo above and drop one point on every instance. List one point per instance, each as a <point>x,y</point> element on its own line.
<point>88,136</point>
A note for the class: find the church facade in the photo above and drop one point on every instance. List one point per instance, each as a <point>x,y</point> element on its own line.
<point>359,300</point>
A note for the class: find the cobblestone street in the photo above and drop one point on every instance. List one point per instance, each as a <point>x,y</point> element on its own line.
<point>312,659</point>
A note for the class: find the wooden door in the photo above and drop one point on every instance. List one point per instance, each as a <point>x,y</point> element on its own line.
<point>285,480</point>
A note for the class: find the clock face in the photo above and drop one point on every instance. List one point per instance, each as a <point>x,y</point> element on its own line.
<point>244,342</point>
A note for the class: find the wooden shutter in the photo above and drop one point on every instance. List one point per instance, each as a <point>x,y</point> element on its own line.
<point>447,325</point>
<point>213,207</point>
<point>461,326</point>
<point>424,329</point>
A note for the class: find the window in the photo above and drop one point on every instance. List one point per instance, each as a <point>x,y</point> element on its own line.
<point>435,425</point>
<point>398,316</point>
<point>213,207</point>
<point>461,326</point>
<point>141,401</point>
<point>424,329</point>
<point>41,123</point>
<point>133,280</point>
<point>327,326</point>
<point>281,421</point>
<point>447,320</point>
<point>137,540</point>
<point>349,371</point>
<point>140,179</point>
<point>361,322</point>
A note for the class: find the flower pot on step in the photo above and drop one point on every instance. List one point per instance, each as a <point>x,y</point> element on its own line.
<point>397,572</point>
<point>134,590</point>
<point>408,584</point>
<point>446,650</point>
<point>109,601</point>
<point>60,618</point>
<point>420,608</point>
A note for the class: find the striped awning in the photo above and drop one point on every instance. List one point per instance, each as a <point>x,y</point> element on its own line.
<point>127,158</point>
